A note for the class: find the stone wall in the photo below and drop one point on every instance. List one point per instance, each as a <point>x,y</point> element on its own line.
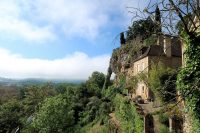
<point>142,90</point>
<point>141,65</point>
<point>172,62</point>
<point>138,67</point>
<point>187,123</point>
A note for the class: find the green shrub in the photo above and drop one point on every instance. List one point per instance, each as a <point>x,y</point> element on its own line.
<point>164,129</point>
<point>162,82</point>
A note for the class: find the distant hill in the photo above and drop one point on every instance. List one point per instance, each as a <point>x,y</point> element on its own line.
<point>31,81</point>
<point>6,81</point>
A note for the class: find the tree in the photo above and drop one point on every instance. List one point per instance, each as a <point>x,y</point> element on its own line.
<point>10,115</point>
<point>33,95</point>
<point>174,11</point>
<point>95,83</point>
<point>142,28</point>
<point>162,82</point>
<point>158,20</point>
<point>55,115</point>
<point>122,38</point>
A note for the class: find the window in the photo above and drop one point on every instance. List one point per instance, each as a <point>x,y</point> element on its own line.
<point>138,67</point>
<point>143,66</point>
<point>142,89</point>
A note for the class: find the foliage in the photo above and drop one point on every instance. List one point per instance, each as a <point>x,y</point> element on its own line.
<point>64,87</point>
<point>162,82</point>
<point>111,93</point>
<point>196,128</point>
<point>158,20</point>
<point>143,77</point>
<point>188,79</point>
<point>132,83</point>
<point>164,129</point>
<point>33,95</point>
<point>10,115</point>
<point>69,108</point>
<point>125,111</point>
<point>122,79</point>
<point>55,115</point>
<point>7,93</point>
<point>122,38</point>
<point>91,110</point>
<point>126,53</point>
<point>95,83</point>
<point>164,118</point>
<point>142,28</point>
<point>180,25</point>
<point>152,40</point>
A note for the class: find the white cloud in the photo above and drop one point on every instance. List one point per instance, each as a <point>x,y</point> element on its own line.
<point>83,18</point>
<point>13,24</point>
<point>76,66</point>
<point>25,30</point>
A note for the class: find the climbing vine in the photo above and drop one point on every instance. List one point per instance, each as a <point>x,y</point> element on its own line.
<point>130,121</point>
<point>188,81</point>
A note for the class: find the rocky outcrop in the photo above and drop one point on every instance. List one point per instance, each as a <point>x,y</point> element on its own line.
<point>118,61</point>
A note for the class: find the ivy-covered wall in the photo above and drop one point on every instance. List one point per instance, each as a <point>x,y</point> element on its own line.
<point>189,80</point>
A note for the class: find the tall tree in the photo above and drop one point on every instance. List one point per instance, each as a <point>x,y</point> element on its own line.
<point>158,29</point>
<point>122,38</point>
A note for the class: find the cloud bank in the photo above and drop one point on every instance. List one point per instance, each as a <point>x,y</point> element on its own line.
<point>83,18</point>
<point>42,20</point>
<point>76,66</point>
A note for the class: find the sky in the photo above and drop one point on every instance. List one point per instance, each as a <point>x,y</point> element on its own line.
<point>61,39</point>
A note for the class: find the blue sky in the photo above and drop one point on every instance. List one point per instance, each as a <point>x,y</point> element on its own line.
<point>60,39</point>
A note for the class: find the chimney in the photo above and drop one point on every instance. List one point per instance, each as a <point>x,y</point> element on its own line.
<point>167,46</point>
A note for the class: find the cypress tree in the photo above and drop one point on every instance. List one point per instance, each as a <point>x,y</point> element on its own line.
<point>158,20</point>
<point>122,38</point>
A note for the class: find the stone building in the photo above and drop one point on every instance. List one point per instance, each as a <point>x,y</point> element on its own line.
<point>167,51</point>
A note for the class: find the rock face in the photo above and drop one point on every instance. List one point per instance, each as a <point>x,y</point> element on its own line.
<point>118,61</point>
